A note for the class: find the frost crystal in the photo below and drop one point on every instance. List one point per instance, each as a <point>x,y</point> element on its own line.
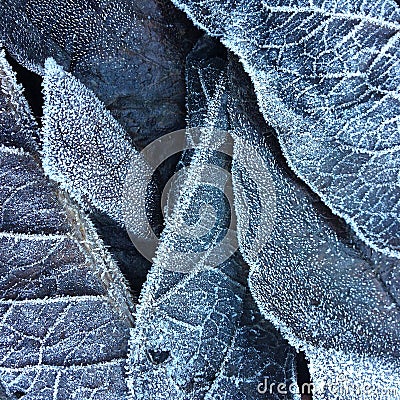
<point>199,335</point>
<point>65,309</point>
<point>132,63</point>
<point>84,148</point>
<point>18,128</point>
<point>327,79</point>
<point>324,295</point>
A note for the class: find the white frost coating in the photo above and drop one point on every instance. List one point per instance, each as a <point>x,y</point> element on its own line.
<point>62,325</point>
<point>85,150</point>
<point>364,377</point>
<point>102,263</point>
<point>50,300</point>
<point>65,309</point>
<point>322,294</point>
<point>14,107</point>
<point>197,335</point>
<point>12,89</point>
<point>338,375</point>
<point>194,177</point>
<point>24,236</point>
<point>152,311</point>
<point>326,76</point>
<point>12,150</point>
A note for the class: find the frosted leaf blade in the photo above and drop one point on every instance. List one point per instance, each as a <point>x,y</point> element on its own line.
<point>199,334</point>
<point>89,154</point>
<point>65,309</point>
<point>317,287</point>
<point>326,77</point>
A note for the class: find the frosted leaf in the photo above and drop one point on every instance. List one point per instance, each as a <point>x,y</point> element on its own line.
<point>327,79</point>
<point>65,311</point>
<point>85,150</point>
<point>199,335</point>
<point>18,128</point>
<point>102,381</point>
<point>89,154</point>
<point>323,293</point>
<point>129,53</point>
<point>3,394</point>
<point>63,305</point>
<point>27,205</point>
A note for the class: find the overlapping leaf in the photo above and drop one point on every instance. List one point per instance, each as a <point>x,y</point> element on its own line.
<point>193,332</point>
<point>85,150</point>
<point>129,53</point>
<point>65,311</point>
<point>89,154</point>
<point>327,79</point>
<point>199,335</point>
<point>323,293</point>
<point>18,128</point>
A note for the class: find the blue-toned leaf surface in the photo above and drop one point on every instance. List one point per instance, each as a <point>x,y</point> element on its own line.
<point>327,76</point>
<point>199,335</point>
<point>65,311</point>
<point>17,125</point>
<point>85,150</point>
<point>326,295</point>
<point>130,53</point>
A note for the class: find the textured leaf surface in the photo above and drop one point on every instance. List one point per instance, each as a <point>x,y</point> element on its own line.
<point>59,310</point>
<point>17,126</point>
<point>129,53</point>
<point>65,312</point>
<point>88,153</point>
<point>199,335</point>
<point>27,204</point>
<point>326,296</point>
<point>327,79</point>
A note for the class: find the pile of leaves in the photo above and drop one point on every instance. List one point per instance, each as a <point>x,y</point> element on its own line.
<point>309,94</point>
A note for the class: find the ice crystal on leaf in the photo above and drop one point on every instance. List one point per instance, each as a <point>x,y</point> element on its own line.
<point>18,127</point>
<point>65,309</point>
<point>128,52</point>
<point>324,295</point>
<point>84,147</point>
<point>199,335</point>
<point>327,79</point>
